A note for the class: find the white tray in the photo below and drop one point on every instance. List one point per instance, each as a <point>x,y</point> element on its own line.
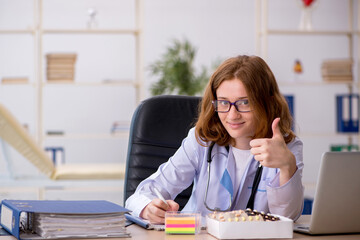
<point>250,230</point>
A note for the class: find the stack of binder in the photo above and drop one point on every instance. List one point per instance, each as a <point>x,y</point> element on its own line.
<point>60,66</point>
<point>290,99</point>
<point>347,112</point>
<point>46,219</point>
<point>337,70</point>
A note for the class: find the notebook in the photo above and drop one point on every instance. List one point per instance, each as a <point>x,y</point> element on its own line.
<point>336,207</point>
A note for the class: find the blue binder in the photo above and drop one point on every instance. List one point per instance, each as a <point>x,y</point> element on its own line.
<point>12,209</point>
<point>290,101</point>
<point>347,113</point>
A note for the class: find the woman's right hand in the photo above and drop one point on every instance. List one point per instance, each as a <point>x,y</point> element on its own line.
<point>155,210</point>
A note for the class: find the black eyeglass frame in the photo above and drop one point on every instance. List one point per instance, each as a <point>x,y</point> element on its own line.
<point>214,102</point>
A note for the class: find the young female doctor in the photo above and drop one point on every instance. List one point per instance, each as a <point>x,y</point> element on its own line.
<point>241,153</point>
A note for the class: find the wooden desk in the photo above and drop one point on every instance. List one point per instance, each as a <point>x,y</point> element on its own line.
<point>139,233</point>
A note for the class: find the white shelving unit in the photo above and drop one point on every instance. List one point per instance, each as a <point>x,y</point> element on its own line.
<point>39,90</point>
<point>40,84</point>
<point>263,31</point>
<point>137,83</point>
<point>311,138</point>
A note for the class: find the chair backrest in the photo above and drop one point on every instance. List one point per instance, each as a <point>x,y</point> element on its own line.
<point>158,127</point>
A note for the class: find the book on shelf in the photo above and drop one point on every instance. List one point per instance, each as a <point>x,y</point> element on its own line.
<point>52,219</point>
<point>338,78</point>
<point>56,56</point>
<point>338,62</point>
<point>55,133</point>
<point>14,80</point>
<point>60,66</point>
<point>61,80</point>
<point>337,70</point>
<point>54,69</point>
<point>55,66</point>
<point>55,76</point>
<point>64,61</point>
<point>57,154</point>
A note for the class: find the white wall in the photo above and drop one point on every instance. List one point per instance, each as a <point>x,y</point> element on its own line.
<point>219,29</point>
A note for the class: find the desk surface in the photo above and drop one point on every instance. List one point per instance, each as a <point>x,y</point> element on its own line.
<point>138,233</point>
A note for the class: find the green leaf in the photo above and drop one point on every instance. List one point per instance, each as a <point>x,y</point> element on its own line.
<point>176,73</point>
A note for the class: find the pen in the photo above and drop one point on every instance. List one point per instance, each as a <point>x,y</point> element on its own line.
<point>158,194</point>
<point>138,221</point>
<point>144,223</point>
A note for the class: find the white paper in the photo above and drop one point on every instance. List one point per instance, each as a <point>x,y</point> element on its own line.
<point>6,216</point>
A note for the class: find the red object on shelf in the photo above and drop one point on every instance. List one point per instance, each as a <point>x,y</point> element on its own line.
<point>307,3</point>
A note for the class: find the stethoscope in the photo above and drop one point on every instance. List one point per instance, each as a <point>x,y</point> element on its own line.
<point>255,185</point>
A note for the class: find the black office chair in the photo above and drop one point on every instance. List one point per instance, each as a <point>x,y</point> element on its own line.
<point>158,127</point>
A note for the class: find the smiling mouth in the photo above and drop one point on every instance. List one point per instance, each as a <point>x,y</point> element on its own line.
<point>236,124</point>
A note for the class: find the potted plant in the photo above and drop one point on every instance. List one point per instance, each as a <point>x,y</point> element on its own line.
<point>176,71</point>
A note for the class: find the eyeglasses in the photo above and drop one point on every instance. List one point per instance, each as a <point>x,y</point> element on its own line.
<point>223,106</point>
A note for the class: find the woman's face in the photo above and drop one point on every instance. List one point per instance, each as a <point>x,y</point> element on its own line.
<point>239,125</point>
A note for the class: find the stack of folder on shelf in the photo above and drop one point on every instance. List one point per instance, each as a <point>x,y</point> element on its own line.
<point>344,148</point>
<point>347,112</point>
<point>337,70</point>
<point>47,219</point>
<point>60,66</point>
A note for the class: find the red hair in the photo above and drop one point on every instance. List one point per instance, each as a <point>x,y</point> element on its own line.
<point>266,101</point>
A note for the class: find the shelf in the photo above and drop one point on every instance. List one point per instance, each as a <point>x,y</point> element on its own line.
<point>91,31</point>
<point>18,84</point>
<point>303,32</point>
<point>312,83</point>
<point>96,84</point>
<point>17,31</point>
<point>105,83</point>
<point>117,135</point>
<point>334,134</point>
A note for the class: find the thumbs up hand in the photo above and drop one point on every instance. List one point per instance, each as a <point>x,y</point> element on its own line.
<point>276,130</point>
<point>273,153</point>
<point>270,151</point>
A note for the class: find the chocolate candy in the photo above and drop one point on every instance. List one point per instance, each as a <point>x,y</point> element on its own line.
<point>242,216</point>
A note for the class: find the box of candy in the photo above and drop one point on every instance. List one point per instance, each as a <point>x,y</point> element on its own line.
<point>248,224</point>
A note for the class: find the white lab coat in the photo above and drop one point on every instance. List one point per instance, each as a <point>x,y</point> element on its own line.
<point>189,164</point>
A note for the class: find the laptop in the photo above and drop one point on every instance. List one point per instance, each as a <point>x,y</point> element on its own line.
<point>336,206</point>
